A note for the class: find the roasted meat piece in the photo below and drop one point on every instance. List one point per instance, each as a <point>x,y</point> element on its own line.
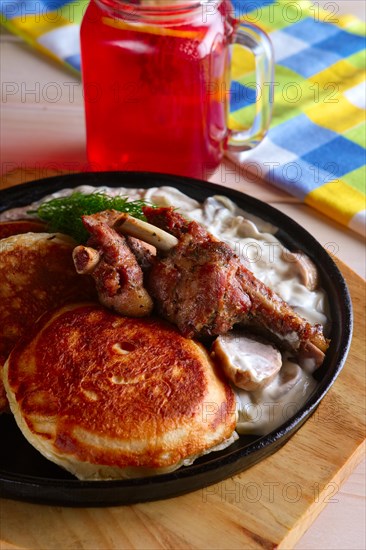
<point>202,287</point>
<point>117,274</point>
<point>197,282</point>
<point>196,287</point>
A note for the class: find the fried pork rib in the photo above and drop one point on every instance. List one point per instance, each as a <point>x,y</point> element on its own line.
<point>202,287</point>
<point>112,264</point>
<point>198,283</point>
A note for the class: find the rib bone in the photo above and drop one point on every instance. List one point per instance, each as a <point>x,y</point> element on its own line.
<point>85,259</point>
<point>127,225</point>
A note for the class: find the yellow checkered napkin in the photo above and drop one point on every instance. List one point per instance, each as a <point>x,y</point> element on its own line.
<point>315,148</point>
<point>51,26</point>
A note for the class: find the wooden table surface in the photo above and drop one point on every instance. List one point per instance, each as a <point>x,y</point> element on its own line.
<point>40,136</point>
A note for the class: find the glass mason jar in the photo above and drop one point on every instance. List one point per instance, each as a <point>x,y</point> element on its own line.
<point>156,77</point>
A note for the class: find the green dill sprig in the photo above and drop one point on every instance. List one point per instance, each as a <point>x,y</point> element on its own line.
<point>63,214</point>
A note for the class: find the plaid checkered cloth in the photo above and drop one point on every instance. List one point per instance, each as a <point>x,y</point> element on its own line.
<point>315,148</point>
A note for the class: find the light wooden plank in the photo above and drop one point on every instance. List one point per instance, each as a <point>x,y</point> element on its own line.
<point>331,529</point>
<point>42,81</point>
<point>42,141</point>
<point>35,66</point>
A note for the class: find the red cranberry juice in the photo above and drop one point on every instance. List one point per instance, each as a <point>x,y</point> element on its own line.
<point>155,98</point>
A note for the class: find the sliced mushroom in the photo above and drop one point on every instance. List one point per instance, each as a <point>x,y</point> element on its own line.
<point>250,364</point>
<point>306,268</point>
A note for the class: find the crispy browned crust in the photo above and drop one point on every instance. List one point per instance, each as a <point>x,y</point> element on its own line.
<point>120,392</point>
<point>37,274</point>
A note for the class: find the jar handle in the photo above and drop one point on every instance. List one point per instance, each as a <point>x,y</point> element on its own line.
<point>257,41</point>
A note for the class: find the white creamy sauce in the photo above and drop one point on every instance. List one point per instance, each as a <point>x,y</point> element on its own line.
<point>255,243</point>
<point>266,409</point>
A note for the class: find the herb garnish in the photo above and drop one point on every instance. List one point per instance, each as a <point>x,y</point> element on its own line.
<point>63,214</point>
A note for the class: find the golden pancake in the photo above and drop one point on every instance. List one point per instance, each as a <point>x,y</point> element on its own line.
<point>36,274</point>
<point>16,227</point>
<point>107,396</point>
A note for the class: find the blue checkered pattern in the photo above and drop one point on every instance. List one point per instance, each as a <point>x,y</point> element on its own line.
<point>315,148</point>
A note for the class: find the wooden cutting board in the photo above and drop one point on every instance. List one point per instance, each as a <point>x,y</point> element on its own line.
<point>268,506</point>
